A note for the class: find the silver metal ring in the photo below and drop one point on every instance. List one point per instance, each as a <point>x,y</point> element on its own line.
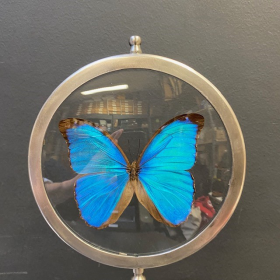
<point>150,62</point>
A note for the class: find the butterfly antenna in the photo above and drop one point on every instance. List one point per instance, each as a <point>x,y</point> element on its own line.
<point>138,148</point>
<point>129,148</point>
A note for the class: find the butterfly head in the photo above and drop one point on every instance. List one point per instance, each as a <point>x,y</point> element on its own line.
<point>133,170</point>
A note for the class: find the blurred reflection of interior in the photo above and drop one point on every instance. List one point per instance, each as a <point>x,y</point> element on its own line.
<point>132,116</point>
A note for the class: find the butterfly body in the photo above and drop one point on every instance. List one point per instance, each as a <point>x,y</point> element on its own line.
<point>133,170</point>
<point>159,177</point>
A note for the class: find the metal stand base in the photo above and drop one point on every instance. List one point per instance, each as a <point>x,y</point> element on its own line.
<point>138,274</point>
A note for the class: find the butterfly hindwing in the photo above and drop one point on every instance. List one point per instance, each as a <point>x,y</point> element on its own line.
<point>104,191</point>
<point>165,187</point>
<point>98,197</point>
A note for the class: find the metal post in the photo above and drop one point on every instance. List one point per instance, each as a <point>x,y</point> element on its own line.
<point>138,274</point>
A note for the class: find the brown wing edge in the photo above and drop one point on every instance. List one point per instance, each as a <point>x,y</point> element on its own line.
<point>120,207</point>
<point>140,190</point>
<point>75,122</point>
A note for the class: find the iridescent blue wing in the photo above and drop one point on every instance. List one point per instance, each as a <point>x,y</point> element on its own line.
<point>105,191</point>
<point>102,198</point>
<point>165,186</point>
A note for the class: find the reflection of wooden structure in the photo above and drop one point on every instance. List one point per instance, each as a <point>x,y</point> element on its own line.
<point>172,87</point>
<point>113,107</point>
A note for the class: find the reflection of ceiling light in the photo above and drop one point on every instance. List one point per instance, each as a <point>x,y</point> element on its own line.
<point>119,87</point>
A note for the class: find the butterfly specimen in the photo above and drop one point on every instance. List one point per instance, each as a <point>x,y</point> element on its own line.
<point>159,177</point>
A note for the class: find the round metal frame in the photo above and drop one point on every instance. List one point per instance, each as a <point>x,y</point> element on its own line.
<point>150,62</point>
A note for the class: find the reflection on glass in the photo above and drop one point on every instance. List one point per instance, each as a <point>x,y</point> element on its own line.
<point>132,116</point>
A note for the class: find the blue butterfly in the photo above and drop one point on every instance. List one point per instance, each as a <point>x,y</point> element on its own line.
<point>159,177</point>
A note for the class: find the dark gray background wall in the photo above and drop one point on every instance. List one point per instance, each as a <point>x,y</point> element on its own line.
<point>235,44</point>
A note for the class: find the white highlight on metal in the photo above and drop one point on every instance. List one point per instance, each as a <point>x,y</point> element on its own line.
<point>13,272</point>
<point>119,87</point>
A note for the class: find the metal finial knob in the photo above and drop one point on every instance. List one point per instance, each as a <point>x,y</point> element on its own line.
<point>135,43</point>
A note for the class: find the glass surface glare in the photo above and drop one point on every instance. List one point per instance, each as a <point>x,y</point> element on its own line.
<point>134,114</point>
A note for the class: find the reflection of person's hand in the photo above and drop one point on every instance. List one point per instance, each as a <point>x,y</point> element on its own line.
<point>116,135</point>
<point>68,184</point>
<point>61,191</point>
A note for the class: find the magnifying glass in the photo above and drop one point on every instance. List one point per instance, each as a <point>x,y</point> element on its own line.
<point>153,117</point>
